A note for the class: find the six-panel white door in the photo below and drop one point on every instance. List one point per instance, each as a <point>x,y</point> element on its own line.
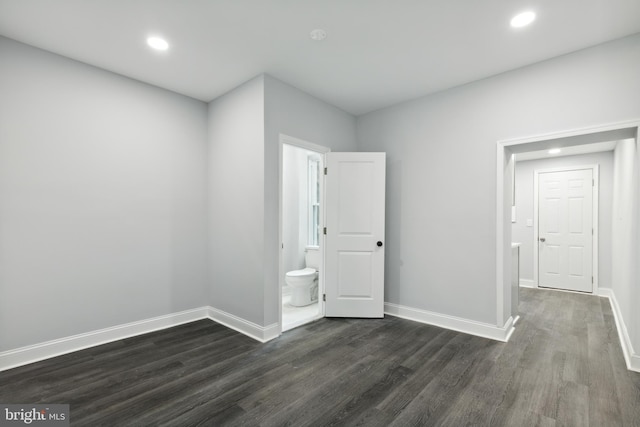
<point>565,239</point>
<point>354,257</point>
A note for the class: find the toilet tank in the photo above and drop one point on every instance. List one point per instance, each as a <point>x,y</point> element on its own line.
<point>312,257</point>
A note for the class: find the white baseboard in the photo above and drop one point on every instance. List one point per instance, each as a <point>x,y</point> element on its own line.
<point>526,283</point>
<point>253,330</point>
<point>34,353</point>
<point>631,358</point>
<point>459,324</point>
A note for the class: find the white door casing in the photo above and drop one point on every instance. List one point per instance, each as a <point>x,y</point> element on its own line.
<point>565,230</point>
<point>355,215</point>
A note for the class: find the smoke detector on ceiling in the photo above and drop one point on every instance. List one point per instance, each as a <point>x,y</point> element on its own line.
<point>318,34</point>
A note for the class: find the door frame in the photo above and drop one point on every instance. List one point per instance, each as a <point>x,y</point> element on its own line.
<point>505,149</point>
<point>595,203</point>
<point>321,150</point>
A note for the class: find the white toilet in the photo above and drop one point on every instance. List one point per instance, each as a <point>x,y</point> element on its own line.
<point>304,283</point>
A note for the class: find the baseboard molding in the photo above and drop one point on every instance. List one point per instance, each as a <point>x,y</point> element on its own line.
<point>46,350</point>
<point>34,353</point>
<point>631,358</point>
<point>466,326</point>
<point>253,330</point>
<point>526,283</point>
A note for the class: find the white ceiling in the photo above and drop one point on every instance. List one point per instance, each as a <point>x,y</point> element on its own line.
<point>377,53</point>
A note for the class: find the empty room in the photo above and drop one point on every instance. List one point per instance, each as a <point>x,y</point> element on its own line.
<point>276,212</point>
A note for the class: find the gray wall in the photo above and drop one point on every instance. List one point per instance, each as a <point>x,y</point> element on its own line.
<point>102,183</point>
<point>236,201</point>
<point>524,209</point>
<point>441,167</point>
<point>109,186</point>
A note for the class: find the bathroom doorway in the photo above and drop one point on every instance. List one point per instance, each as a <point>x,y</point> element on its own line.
<point>302,239</point>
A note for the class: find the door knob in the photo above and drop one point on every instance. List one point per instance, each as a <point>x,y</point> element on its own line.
<point>542,239</point>
<point>379,243</point>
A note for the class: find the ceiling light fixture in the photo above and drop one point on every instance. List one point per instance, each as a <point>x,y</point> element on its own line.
<point>158,43</point>
<point>554,151</point>
<point>318,34</point>
<point>523,19</point>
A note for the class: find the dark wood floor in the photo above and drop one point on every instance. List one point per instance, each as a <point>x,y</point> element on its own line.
<point>562,367</point>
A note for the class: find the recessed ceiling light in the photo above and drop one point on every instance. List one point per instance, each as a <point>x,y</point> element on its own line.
<point>523,19</point>
<point>554,151</point>
<point>318,34</point>
<point>158,43</point>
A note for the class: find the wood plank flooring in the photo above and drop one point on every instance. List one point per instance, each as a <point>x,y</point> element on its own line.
<point>562,367</point>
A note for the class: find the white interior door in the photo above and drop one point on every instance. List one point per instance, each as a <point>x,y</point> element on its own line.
<point>354,257</point>
<point>565,234</point>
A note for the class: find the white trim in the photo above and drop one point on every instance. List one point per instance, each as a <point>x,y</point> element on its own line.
<point>46,350</point>
<point>504,147</point>
<point>484,330</point>
<point>580,132</point>
<point>301,322</point>
<point>500,252</point>
<point>536,250</point>
<point>630,357</point>
<point>253,330</point>
<point>595,203</point>
<point>34,353</point>
<point>286,139</point>
<point>526,283</point>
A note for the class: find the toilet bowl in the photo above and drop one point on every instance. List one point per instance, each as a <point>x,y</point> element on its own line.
<point>304,282</point>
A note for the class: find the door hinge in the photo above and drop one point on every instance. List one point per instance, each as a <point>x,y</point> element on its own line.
<point>325,171</point>
<point>325,230</point>
<point>324,297</point>
<point>592,280</point>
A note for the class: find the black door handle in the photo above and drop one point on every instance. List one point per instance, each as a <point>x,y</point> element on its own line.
<point>379,243</point>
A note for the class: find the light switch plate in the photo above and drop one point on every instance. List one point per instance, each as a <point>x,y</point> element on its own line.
<point>529,222</point>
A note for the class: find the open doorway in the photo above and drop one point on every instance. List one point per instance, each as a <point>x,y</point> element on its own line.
<point>507,153</point>
<point>563,204</point>
<point>332,232</point>
<point>302,249</point>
